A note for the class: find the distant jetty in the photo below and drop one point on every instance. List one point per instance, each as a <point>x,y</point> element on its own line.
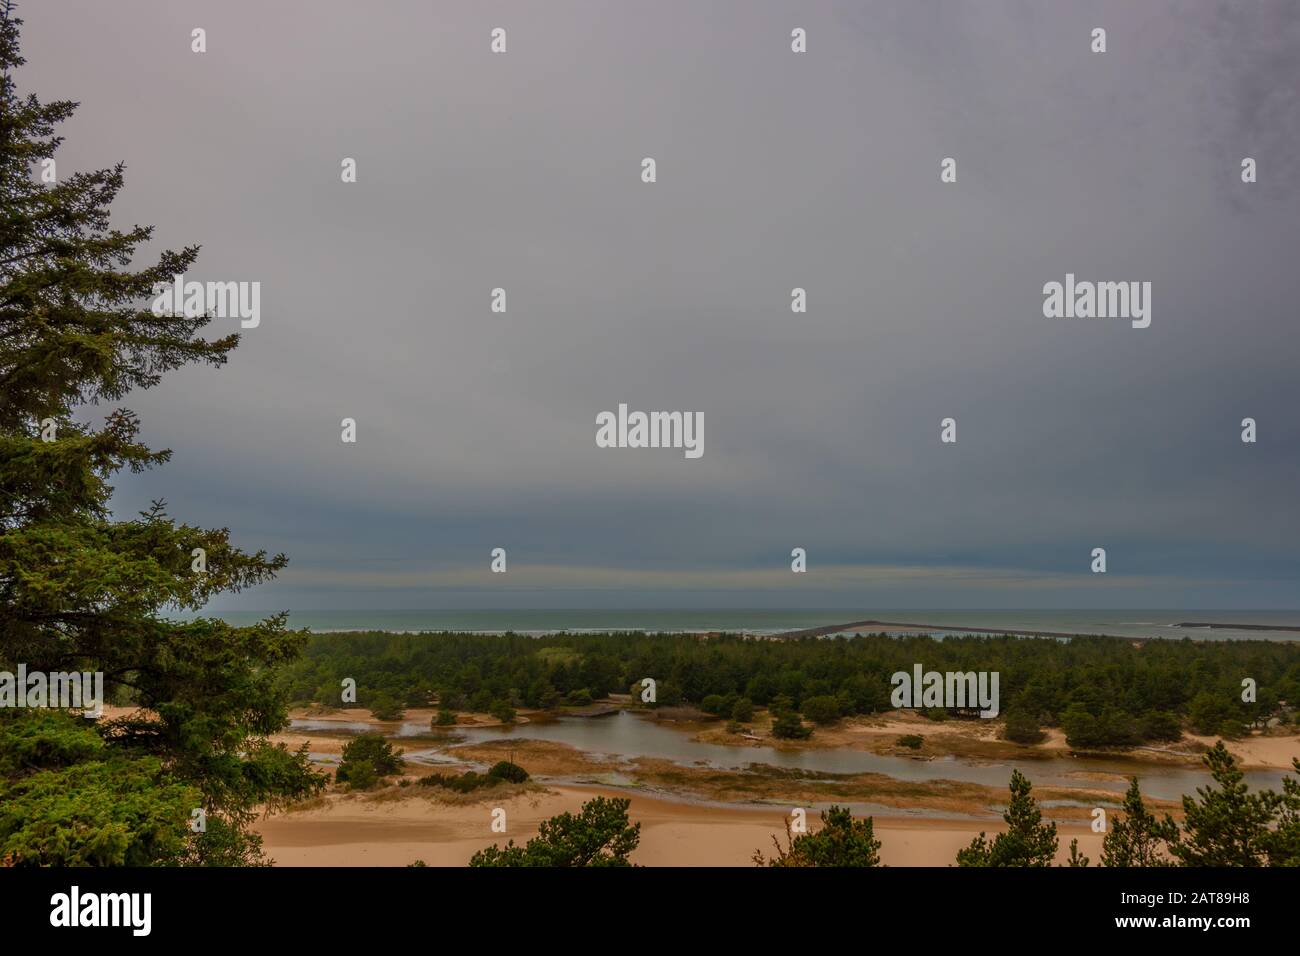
<point>1240,627</point>
<point>864,625</point>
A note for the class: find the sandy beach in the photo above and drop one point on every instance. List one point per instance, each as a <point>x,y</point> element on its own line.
<point>356,831</point>
<point>690,816</point>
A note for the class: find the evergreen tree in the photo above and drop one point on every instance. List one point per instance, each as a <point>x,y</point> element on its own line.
<point>842,841</point>
<point>367,751</point>
<point>1137,838</point>
<point>1027,842</point>
<point>1282,843</point>
<point>1076,858</point>
<point>58,777</point>
<point>82,591</point>
<point>788,726</point>
<point>1229,825</point>
<point>383,706</point>
<point>1020,728</point>
<point>599,835</point>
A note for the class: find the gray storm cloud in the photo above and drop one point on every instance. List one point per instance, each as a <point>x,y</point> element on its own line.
<point>775,170</point>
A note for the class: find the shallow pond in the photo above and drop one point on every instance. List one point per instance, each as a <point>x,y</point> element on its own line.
<point>625,736</point>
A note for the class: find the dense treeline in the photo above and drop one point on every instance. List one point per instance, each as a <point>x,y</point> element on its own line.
<point>1103,691</point>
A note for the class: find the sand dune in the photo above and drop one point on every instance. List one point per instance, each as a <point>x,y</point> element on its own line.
<point>357,831</point>
<point>1275,752</point>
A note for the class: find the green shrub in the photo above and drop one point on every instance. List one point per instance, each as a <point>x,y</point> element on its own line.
<point>372,751</point>
<point>469,781</point>
<point>503,712</point>
<point>384,707</point>
<point>788,726</point>
<point>360,775</point>
<point>509,772</point>
<point>1112,728</point>
<point>1022,729</point>
<point>466,782</point>
<point>1231,729</point>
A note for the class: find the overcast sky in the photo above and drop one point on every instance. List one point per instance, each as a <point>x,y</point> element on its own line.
<point>775,170</point>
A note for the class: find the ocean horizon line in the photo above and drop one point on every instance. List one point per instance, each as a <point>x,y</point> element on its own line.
<point>1129,623</point>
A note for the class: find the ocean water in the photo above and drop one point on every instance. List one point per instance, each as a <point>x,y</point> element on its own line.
<point>1135,624</point>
